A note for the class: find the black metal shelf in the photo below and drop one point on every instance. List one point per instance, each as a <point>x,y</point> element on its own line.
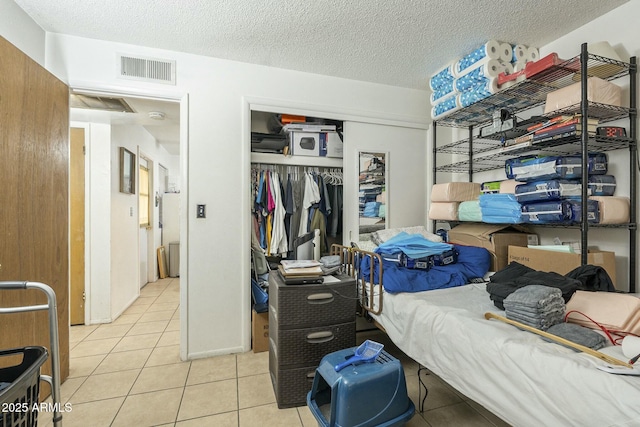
<point>533,92</point>
<point>492,154</point>
<point>486,154</point>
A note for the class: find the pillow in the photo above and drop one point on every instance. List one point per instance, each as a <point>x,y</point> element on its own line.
<point>381,236</point>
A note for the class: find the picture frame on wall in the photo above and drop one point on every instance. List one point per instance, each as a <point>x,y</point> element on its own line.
<point>127,171</point>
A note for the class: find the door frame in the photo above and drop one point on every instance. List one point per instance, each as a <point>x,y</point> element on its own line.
<point>165,95</point>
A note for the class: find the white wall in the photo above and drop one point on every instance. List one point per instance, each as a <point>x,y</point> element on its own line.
<point>22,31</point>
<point>215,312</point>
<point>125,228</point>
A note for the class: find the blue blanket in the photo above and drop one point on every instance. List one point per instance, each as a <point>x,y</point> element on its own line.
<point>413,245</point>
<point>472,262</point>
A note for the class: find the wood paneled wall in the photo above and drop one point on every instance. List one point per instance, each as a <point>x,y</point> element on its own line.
<point>34,201</point>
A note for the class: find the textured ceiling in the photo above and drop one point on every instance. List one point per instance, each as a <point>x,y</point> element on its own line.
<point>394,42</point>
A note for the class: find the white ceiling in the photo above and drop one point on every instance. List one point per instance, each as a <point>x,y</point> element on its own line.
<point>394,42</point>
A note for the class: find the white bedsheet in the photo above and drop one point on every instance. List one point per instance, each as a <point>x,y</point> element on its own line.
<point>519,376</point>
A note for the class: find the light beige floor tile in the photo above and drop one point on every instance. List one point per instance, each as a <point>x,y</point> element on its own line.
<point>418,421</point>
<point>174,325</point>
<point>69,387</point>
<point>497,421</point>
<point>228,419</point>
<point>150,292</point>
<point>161,378</point>
<point>208,399</point>
<point>83,366</point>
<point>149,409</point>
<point>269,416</point>
<point>459,414</point>
<point>96,414</point>
<point>127,319</point>
<point>80,332</point>
<point>251,363</point>
<point>124,361</point>
<point>169,338</point>
<point>137,342</point>
<point>255,390</point>
<point>105,386</point>
<point>159,305</point>
<point>92,348</point>
<point>212,369</point>
<point>164,356</point>
<point>148,327</point>
<point>308,420</point>
<point>136,309</point>
<point>156,315</point>
<point>439,393</point>
<point>108,331</point>
<point>144,301</point>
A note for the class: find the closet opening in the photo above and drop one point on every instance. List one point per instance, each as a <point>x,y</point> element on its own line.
<point>296,199</point>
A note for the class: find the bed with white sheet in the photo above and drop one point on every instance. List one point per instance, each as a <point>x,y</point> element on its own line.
<point>517,375</point>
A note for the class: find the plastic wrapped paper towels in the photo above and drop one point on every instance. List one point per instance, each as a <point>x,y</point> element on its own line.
<point>447,211</point>
<point>492,49</point>
<point>455,192</point>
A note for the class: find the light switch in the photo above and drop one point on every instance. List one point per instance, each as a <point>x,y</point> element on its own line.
<point>200,211</point>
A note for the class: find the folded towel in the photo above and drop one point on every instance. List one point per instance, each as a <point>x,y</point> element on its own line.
<point>538,323</point>
<point>534,296</point>
<point>578,334</point>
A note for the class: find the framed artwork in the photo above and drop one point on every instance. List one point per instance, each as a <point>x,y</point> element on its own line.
<point>127,171</point>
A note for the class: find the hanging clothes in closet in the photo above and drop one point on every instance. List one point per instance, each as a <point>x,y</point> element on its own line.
<point>290,201</point>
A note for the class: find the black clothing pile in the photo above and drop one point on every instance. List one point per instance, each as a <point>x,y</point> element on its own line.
<point>515,276</point>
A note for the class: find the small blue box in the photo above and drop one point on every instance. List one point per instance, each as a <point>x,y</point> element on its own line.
<point>365,394</point>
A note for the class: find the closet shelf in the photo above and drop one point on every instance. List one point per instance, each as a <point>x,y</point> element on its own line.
<point>279,159</point>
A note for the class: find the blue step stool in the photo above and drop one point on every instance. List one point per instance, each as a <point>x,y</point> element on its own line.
<point>365,394</point>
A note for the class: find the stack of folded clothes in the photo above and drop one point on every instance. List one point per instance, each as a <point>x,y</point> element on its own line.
<point>538,306</point>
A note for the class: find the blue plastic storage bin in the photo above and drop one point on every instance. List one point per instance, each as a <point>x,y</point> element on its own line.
<point>363,395</point>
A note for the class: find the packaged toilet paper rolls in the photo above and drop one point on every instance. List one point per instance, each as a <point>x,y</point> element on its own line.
<point>630,346</point>
<point>508,68</point>
<point>519,53</point>
<point>532,54</point>
<point>506,52</point>
<point>442,77</point>
<point>519,66</point>
<point>479,74</point>
<point>489,50</point>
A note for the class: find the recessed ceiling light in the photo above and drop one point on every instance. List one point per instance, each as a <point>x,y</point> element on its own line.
<point>156,115</point>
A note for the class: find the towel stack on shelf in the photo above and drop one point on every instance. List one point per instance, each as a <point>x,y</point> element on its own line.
<point>538,306</point>
<point>474,76</point>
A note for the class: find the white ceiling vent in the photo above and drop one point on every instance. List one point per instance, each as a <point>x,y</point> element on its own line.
<point>147,69</point>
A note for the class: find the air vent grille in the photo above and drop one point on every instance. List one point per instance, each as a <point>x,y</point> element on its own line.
<point>147,69</point>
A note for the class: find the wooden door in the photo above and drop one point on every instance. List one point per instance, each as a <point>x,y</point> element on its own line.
<point>34,202</point>
<point>76,234</point>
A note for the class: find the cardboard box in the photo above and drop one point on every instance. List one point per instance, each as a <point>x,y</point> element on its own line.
<point>495,238</point>
<point>330,144</point>
<point>260,331</point>
<point>561,262</point>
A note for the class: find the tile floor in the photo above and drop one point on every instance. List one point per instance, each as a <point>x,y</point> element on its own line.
<point>128,373</point>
